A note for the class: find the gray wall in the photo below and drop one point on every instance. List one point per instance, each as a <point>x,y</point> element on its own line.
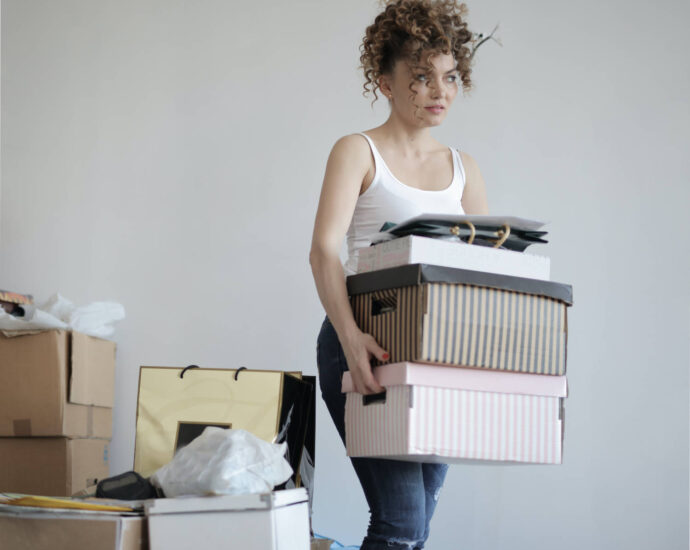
<point>169,155</point>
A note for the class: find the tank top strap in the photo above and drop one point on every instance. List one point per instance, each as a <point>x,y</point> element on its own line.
<point>378,159</point>
<point>459,168</point>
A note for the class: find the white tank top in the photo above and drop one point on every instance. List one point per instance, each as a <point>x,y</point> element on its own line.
<point>387,199</point>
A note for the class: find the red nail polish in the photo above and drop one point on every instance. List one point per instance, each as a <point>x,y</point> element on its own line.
<point>385,356</point>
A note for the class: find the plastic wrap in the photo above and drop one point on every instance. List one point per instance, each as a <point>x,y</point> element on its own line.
<point>95,319</point>
<point>224,462</point>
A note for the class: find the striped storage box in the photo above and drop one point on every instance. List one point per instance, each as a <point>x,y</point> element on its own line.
<point>431,314</point>
<point>442,414</point>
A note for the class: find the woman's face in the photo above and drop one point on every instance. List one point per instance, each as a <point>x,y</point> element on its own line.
<point>422,94</point>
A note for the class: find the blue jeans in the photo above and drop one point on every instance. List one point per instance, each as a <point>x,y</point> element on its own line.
<point>401,495</point>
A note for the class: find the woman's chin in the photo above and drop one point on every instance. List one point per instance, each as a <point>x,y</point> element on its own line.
<point>430,122</point>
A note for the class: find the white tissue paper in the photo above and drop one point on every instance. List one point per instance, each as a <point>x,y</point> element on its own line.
<point>94,319</point>
<point>36,320</point>
<point>224,462</point>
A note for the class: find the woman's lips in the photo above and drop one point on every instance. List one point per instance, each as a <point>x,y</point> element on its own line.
<point>436,109</point>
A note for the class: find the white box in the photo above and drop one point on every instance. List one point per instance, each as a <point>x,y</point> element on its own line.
<point>424,250</point>
<point>268,521</point>
<point>450,414</point>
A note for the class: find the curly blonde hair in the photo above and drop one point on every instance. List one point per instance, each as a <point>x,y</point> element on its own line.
<point>406,28</point>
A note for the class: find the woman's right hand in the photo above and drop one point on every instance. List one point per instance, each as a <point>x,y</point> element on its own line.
<point>359,350</point>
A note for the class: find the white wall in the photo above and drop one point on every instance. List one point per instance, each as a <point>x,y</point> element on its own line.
<point>169,154</point>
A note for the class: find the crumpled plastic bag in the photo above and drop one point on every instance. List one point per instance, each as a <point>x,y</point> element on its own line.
<point>94,319</point>
<point>35,319</point>
<point>224,462</point>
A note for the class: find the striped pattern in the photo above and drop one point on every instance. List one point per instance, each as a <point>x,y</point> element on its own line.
<point>397,331</point>
<point>378,429</point>
<point>447,424</point>
<point>492,328</point>
<point>467,325</point>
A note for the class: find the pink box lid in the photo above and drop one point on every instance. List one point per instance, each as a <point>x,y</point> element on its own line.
<point>464,378</point>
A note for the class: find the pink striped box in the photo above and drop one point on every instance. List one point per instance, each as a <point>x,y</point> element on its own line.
<point>449,414</point>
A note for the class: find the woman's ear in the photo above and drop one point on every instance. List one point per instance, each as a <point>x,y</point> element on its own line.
<point>385,86</point>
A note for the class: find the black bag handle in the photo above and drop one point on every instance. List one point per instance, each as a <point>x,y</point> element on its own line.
<point>197,366</point>
<point>187,368</point>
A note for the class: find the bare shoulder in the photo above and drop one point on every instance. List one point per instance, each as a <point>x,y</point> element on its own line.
<point>474,194</point>
<point>351,161</point>
<point>353,147</point>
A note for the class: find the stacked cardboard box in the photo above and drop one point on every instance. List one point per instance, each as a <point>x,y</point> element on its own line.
<point>507,333</point>
<point>56,401</point>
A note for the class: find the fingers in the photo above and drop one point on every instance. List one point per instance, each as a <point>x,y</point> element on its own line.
<point>358,359</point>
<point>364,381</point>
<point>376,350</point>
<point>371,385</point>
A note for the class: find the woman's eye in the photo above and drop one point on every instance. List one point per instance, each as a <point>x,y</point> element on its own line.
<point>421,77</point>
<point>452,78</point>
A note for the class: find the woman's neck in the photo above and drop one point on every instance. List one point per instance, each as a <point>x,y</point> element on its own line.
<point>409,140</point>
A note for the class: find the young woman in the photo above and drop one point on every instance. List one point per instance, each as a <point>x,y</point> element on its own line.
<point>415,54</point>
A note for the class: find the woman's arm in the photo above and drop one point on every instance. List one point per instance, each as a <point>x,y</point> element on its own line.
<point>474,195</point>
<point>348,163</point>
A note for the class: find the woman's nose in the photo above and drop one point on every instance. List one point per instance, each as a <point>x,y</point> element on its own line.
<point>437,88</point>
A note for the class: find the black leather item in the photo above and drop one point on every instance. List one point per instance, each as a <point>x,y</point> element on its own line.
<point>127,486</point>
<point>484,235</point>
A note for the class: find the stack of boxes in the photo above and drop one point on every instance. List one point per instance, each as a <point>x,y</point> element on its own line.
<point>56,398</point>
<point>506,333</point>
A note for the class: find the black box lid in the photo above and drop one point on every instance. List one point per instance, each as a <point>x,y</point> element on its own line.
<point>415,274</point>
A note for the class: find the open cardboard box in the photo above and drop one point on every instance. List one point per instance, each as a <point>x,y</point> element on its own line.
<point>56,383</point>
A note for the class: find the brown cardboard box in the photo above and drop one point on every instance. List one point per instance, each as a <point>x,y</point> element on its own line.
<point>321,544</point>
<point>54,466</point>
<point>56,383</point>
<point>67,531</point>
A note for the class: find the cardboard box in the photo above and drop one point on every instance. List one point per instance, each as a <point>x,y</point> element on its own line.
<point>424,250</point>
<point>321,544</point>
<point>54,466</point>
<point>444,414</point>
<point>431,314</point>
<point>173,408</point>
<point>58,530</point>
<point>56,383</point>
<point>271,521</point>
